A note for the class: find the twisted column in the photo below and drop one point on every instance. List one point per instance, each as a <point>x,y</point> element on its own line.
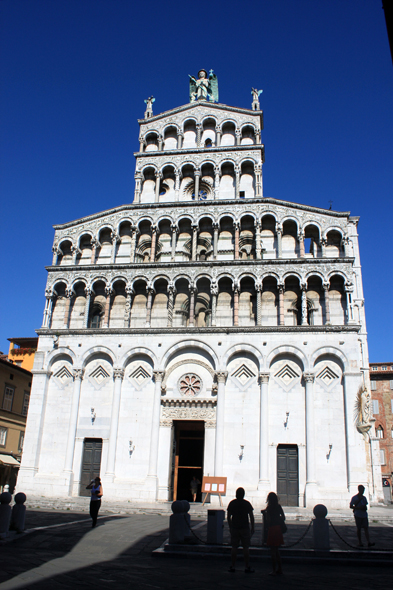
<point>127,310</point>
<point>236,304</point>
<point>171,304</point>
<point>88,292</point>
<point>258,289</point>
<point>118,376</point>
<point>69,458</point>
<point>327,303</point>
<point>281,305</point>
<point>304,305</point>
<point>108,293</point>
<point>194,241</point>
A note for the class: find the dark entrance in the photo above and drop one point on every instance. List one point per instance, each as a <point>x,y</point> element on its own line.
<point>91,463</point>
<point>189,442</point>
<point>288,475</point>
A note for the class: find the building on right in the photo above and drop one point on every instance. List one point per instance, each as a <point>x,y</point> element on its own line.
<point>381,381</point>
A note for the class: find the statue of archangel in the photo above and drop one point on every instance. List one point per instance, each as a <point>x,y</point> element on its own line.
<point>205,88</point>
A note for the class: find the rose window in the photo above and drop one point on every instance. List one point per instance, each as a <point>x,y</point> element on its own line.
<point>190,385</point>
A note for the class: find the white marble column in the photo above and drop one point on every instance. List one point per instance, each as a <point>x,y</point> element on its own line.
<point>88,292</point>
<point>217,177</point>
<point>154,232</point>
<point>215,240</point>
<point>93,250</point>
<point>69,295</point>
<point>56,253</point>
<point>194,242</point>
<point>134,235</point>
<point>258,252</point>
<point>198,134</point>
<point>258,289</point>
<point>258,180</point>
<point>301,244</point>
<point>180,137</point>
<point>175,231</point>
<point>191,320</point>
<point>177,183</point>
<point>264,483</point>
<point>311,477</point>
<point>160,143</point>
<point>237,181</point>
<point>155,424</point>
<point>281,316</point>
<point>218,136</point>
<point>127,310</point>
<point>279,240</point>
<point>149,304</point>
<point>197,177</point>
<point>304,305</point>
<point>157,187</point>
<point>73,421</point>
<point>350,315</point>
<point>326,302</point>
<point>238,134</point>
<point>118,375</point>
<point>115,240</point>
<point>219,450</point>
<point>108,293</point>
<point>48,309</point>
<point>214,293</point>
<point>171,304</point>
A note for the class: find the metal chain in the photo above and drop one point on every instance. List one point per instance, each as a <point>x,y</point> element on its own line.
<point>301,538</point>
<point>349,545</point>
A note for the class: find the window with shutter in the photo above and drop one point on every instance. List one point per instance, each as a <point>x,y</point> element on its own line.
<point>375,406</point>
<point>373,385</point>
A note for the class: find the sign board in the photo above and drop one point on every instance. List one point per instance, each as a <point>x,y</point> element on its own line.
<point>214,485</point>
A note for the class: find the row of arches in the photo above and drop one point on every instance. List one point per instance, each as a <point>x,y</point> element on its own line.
<point>205,240</point>
<point>191,182</point>
<point>206,302</point>
<point>193,134</point>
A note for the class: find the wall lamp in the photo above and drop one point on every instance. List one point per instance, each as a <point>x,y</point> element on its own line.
<point>286,420</point>
<point>241,454</point>
<point>329,453</point>
<point>131,448</point>
<point>93,415</point>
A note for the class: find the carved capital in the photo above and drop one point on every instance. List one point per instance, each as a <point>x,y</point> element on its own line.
<point>264,377</point>
<point>77,374</point>
<point>88,291</point>
<point>308,377</point>
<point>158,376</point>
<point>118,374</point>
<point>129,290</point>
<point>108,291</point>
<point>222,376</point>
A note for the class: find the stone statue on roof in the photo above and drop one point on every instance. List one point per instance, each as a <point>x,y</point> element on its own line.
<point>149,107</point>
<point>255,99</point>
<point>205,87</point>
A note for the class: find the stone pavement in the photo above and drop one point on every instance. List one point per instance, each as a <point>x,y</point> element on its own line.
<point>67,553</point>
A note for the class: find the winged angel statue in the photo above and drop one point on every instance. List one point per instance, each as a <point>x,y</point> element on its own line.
<point>362,411</point>
<point>205,88</point>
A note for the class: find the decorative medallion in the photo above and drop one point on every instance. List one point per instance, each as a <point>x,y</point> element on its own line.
<point>243,376</point>
<point>190,385</point>
<point>98,377</point>
<point>140,377</point>
<point>287,377</point>
<point>63,377</point>
<point>327,378</point>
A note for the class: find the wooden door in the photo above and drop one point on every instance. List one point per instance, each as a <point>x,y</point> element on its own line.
<point>288,475</point>
<point>91,463</point>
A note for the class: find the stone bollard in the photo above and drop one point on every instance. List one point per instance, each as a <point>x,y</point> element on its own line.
<point>18,513</point>
<point>320,528</point>
<point>215,526</point>
<point>5,514</point>
<point>178,528</point>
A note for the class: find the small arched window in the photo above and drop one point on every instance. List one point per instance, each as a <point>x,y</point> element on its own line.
<point>95,320</point>
<point>379,432</point>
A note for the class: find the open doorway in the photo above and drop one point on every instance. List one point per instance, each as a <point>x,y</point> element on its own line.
<point>188,447</point>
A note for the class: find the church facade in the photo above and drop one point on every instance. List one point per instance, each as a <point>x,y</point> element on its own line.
<point>203,330</point>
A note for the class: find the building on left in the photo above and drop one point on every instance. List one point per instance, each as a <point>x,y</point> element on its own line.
<point>15,385</point>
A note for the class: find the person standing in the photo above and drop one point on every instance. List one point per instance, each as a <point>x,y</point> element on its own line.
<point>240,516</point>
<point>95,501</point>
<point>275,517</point>
<point>194,483</point>
<point>359,506</point>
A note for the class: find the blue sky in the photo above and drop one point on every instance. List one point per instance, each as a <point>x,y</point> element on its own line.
<point>74,75</point>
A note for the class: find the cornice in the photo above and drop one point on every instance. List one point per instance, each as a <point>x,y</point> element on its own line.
<point>195,150</point>
<point>201,264</point>
<point>193,105</point>
<point>201,331</point>
<point>202,205</point>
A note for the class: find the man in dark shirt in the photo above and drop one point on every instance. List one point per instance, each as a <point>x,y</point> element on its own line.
<point>241,524</point>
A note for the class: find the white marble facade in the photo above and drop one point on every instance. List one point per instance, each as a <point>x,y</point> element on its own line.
<point>202,301</point>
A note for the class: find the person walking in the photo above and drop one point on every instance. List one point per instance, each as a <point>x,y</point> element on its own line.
<point>275,522</point>
<point>358,504</point>
<point>95,501</point>
<point>194,484</point>
<point>240,516</point>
